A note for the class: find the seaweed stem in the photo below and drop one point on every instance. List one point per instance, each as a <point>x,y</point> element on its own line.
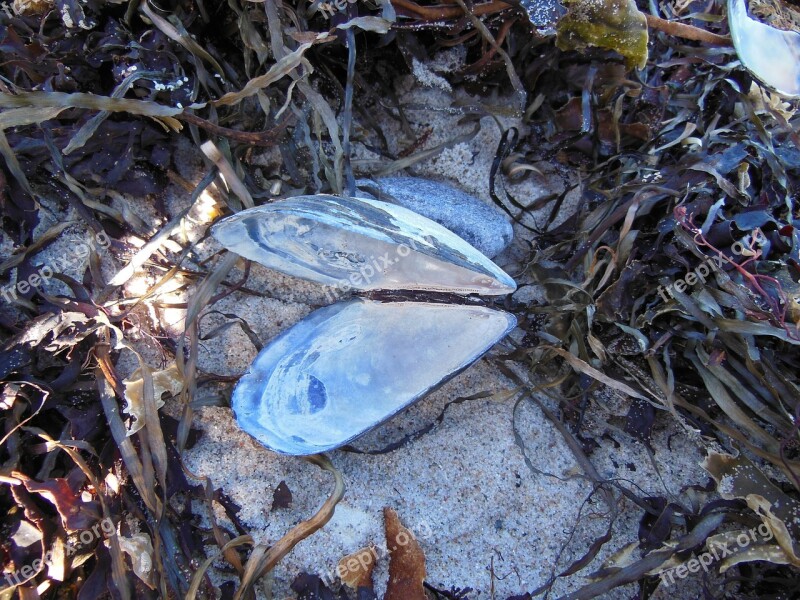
<point>688,32</point>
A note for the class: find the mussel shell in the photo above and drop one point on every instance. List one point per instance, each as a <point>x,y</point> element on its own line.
<point>350,366</point>
<point>360,244</point>
<point>770,54</point>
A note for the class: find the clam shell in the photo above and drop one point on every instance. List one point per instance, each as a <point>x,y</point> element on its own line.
<point>350,366</point>
<point>771,55</point>
<point>360,244</point>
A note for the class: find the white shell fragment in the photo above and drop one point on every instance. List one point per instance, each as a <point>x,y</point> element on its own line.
<point>771,55</point>
<point>350,366</point>
<point>360,244</point>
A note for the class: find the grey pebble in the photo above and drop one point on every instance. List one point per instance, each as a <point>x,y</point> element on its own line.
<point>482,225</point>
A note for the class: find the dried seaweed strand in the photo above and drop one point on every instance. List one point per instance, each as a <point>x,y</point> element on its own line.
<point>653,560</point>
<point>62,100</point>
<point>265,139</point>
<point>347,117</point>
<point>262,560</point>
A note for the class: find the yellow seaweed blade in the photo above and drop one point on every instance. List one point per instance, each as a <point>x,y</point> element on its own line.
<point>612,24</point>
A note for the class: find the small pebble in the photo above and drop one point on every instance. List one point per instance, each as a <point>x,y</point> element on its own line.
<point>482,225</point>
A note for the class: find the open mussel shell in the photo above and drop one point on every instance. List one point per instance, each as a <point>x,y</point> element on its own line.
<point>771,55</point>
<point>360,244</point>
<point>350,366</point>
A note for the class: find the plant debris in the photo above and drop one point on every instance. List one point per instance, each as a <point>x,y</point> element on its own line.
<point>406,561</point>
<point>282,496</point>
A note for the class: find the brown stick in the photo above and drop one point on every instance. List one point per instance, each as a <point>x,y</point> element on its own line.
<point>255,138</point>
<point>440,12</point>
<point>688,32</point>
